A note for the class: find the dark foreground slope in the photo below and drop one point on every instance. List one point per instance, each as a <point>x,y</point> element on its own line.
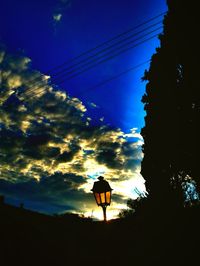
<point>29,238</point>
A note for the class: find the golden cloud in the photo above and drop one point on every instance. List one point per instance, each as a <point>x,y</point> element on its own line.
<point>43,131</point>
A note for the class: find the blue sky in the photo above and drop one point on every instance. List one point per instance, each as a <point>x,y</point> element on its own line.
<point>30,27</point>
<point>51,33</point>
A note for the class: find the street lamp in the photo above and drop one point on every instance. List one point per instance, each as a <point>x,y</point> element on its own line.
<point>102,193</point>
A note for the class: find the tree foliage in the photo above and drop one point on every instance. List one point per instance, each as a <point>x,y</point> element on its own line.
<point>133,206</point>
<point>172,103</point>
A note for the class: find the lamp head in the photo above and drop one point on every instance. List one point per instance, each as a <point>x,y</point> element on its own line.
<point>101,178</point>
<point>102,192</point>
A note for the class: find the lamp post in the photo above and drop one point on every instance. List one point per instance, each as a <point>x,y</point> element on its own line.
<point>102,193</point>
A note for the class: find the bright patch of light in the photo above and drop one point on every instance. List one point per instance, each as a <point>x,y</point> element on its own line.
<point>134,134</point>
<point>57,17</point>
<point>190,190</point>
<point>129,188</point>
<point>111,213</point>
<point>93,169</point>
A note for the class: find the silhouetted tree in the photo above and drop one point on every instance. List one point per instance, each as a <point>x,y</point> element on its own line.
<point>172,103</point>
<point>134,206</point>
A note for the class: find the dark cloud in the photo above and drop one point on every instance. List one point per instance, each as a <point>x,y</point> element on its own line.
<point>109,158</point>
<point>68,156</point>
<point>57,191</point>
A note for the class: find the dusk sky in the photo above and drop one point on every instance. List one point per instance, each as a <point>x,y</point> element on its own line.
<point>59,132</point>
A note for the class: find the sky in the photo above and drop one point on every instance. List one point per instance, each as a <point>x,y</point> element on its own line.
<point>59,133</point>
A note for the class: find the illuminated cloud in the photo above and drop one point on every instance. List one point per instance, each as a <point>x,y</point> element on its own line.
<point>62,5</point>
<point>48,143</point>
<point>93,105</point>
<point>57,17</point>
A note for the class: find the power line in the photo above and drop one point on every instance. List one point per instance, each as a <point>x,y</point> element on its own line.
<point>109,47</point>
<point>112,78</point>
<point>106,42</point>
<point>62,81</point>
<point>102,56</point>
<point>107,58</point>
<point>115,77</point>
<point>111,39</point>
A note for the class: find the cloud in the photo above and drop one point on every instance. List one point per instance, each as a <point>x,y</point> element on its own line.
<point>93,105</point>
<point>60,9</point>
<point>48,142</point>
<point>58,192</point>
<point>57,17</point>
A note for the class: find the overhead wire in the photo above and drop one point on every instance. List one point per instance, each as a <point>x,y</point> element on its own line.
<point>112,78</point>
<point>108,48</point>
<point>100,57</point>
<point>96,62</point>
<point>93,63</point>
<point>111,56</point>
<point>115,77</point>
<point>104,43</point>
<point>62,81</point>
<point>111,39</point>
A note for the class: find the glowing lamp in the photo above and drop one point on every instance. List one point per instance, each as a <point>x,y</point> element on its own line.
<point>102,193</point>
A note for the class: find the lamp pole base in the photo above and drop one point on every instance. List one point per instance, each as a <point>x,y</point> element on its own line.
<point>104,213</point>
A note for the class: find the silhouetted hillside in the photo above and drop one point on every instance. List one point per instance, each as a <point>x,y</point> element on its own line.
<point>29,238</point>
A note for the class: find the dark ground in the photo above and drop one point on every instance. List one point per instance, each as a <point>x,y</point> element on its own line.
<point>29,238</point>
